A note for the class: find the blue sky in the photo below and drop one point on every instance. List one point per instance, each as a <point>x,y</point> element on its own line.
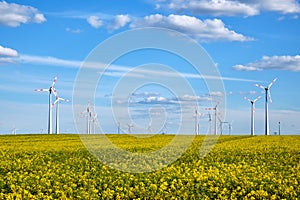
<point>249,41</point>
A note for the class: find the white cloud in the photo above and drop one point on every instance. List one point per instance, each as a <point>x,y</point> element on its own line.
<point>13,15</point>
<point>119,22</point>
<point>231,7</point>
<point>76,31</point>
<point>7,55</point>
<point>216,7</point>
<point>115,70</point>
<point>216,94</point>
<point>282,6</point>
<point>47,60</point>
<point>187,97</point>
<point>202,30</point>
<point>7,52</point>
<point>95,21</point>
<point>290,63</point>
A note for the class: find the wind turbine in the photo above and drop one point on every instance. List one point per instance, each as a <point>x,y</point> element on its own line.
<point>209,121</point>
<point>196,115</point>
<point>252,112</point>
<point>14,131</point>
<point>50,90</point>
<point>164,130</point>
<point>221,125</point>
<point>130,126</point>
<point>88,114</point>
<point>215,109</point>
<point>58,99</point>
<point>268,96</point>
<point>230,127</point>
<point>119,127</point>
<point>95,122</point>
<point>149,128</point>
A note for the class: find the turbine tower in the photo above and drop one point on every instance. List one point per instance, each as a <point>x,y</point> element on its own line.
<point>209,121</point>
<point>130,126</point>
<point>268,96</point>
<point>196,121</point>
<point>50,90</point>
<point>215,120</point>
<point>58,99</point>
<point>252,112</point>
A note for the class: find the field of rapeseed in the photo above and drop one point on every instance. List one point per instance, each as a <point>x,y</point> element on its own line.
<point>238,167</point>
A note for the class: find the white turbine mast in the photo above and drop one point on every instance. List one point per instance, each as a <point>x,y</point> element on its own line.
<point>268,97</point>
<point>196,120</point>
<point>119,127</point>
<point>252,112</point>
<point>221,125</point>
<point>230,127</point>
<point>210,123</point>
<point>14,131</point>
<point>88,114</point>
<point>94,121</point>
<point>215,120</point>
<point>50,90</point>
<point>149,128</point>
<point>130,126</point>
<point>56,102</point>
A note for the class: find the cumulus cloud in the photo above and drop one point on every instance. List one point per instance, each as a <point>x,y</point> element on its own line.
<point>95,21</point>
<point>202,30</point>
<point>76,31</point>
<point>215,7</point>
<point>289,63</point>
<point>231,7</point>
<point>13,15</point>
<point>194,98</point>
<point>119,22</point>
<point>7,55</point>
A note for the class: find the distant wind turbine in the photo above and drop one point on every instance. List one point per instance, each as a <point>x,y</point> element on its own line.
<point>58,99</point>
<point>268,96</point>
<point>14,131</point>
<point>215,122</point>
<point>130,126</point>
<point>149,128</point>
<point>50,90</point>
<point>196,121</point>
<point>252,112</point>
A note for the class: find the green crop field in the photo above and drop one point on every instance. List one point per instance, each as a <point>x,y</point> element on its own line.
<point>238,167</point>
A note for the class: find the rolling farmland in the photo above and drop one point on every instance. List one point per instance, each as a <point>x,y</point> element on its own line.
<point>60,167</point>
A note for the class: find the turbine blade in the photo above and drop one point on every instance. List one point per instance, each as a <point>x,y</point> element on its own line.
<point>260,86</point>
<point>269,93</point>
<point>41,90</point>
<point>55,102</point>
<point>272,83</point>
<point>247,99</point>
<point>257,99</point>
<point>54,92</point>
<point>54,81</point>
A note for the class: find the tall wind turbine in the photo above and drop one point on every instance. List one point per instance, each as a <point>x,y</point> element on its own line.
<point>196,121</point>
<point>50,90</point>
<point>230,127</point>
<point>268,97</point>
<point>130,126</point>
<point>88,114</point>
<point>95,121</point>
<point>252,112</point>
<point>58,99</point>
<point>215,122</point>
<point>209,121</point>
<point>149,128</point>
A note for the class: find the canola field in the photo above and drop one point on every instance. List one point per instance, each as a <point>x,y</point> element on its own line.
<point>238,167</point>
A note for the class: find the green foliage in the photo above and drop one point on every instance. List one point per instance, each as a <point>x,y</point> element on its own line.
<point>238,167</point>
